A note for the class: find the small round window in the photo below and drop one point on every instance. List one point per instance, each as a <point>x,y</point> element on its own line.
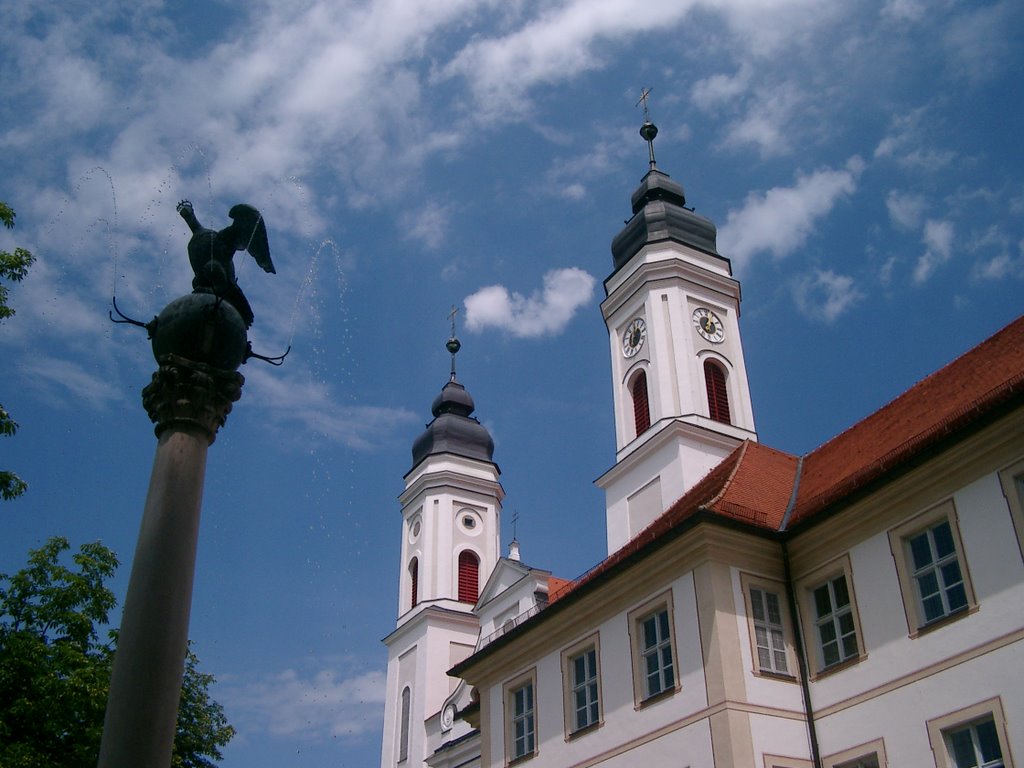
<point>470,522</point>
<point>414,530</point>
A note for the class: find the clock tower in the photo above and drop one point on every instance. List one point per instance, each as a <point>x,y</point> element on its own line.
<point>678,376</point>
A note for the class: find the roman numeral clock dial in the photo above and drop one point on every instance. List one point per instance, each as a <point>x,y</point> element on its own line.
<point>708,325</point>
<point>633,337</point>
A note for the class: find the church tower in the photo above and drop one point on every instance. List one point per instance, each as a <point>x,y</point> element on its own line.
<point>679,380</point>
<point>451,510</point>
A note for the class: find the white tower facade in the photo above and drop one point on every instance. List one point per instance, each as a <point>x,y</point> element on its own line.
<point>451,510</point>
<point>679,380</point>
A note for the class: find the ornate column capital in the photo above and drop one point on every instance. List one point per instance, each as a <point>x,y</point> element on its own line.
<point>190,397</point>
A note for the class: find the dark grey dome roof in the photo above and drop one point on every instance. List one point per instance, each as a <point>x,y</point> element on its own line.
<point>453,429</point>
<point>660,213</point>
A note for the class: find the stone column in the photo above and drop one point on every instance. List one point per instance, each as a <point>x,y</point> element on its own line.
<point>188,402</point>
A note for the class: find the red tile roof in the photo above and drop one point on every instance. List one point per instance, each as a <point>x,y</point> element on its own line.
<point>755,484</point>
<point>962,393</point>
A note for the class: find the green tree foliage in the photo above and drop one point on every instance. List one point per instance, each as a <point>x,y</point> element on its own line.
<point>55,670</point>
<point>13,267</point>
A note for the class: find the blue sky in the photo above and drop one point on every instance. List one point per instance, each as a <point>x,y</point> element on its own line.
<point>862,161</point>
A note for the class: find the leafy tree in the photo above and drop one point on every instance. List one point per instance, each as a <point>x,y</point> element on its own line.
<point>13,267</point>
<point>55,670</point>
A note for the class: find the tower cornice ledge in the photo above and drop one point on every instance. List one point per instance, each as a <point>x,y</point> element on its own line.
<point>621,287</point>
<point>465,485</point>
<point>190,397</point>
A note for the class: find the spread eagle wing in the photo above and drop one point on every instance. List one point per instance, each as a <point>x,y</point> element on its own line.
<point>251,234</point>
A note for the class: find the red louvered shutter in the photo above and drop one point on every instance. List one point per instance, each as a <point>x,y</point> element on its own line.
<point>469,577</point>
<point>718,396</point>
<point>641,410</point>
<point>414,574</point>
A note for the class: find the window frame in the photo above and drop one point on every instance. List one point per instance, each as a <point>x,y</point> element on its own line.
<point>414,582</point>
<point>750,581</point>
<point>459,576</point>
<point>847,757</point>
<point>636,618</point>
<point>899,544</point>
<point>569,685</point>
<point>940,727</point>
<point>808,616</point>
<point>1012,480</point>
<point>404,723</point>
<point>716,384</point>
<point>509,690</point>
<point>641,411</point>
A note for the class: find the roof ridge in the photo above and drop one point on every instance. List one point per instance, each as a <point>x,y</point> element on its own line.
<point>728,480</point>
<point>958,360</point>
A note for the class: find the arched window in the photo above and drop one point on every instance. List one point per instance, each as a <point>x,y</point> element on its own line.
<point>641,409</point>
<point>469,577</point>
<point>414,582</point>
<point>403,737</point>
<point>718,395</point>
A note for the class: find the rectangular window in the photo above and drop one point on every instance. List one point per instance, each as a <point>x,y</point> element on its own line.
<point>523,728</point>
<point>868,761</point>
<point>1012,480</point>
<point>833,618</point>
<point>830,625</point>
<point>931,567</point>
<point>654,653</point>
<point>937,574</point>
<point>870,755</point>
<point>974,737</point>
<point>581,685</point>
<point>766,614</point>
<point>975,745</point>
<point>584,689</point>
<point>521,717</point>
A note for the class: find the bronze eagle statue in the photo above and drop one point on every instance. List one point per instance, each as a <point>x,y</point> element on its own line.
<point>211,253</point>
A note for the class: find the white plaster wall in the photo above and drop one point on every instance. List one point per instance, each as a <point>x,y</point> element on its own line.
<point>997,574</point>
<point>779,736</point>
<point>900,717</point>
<point>622,721</point>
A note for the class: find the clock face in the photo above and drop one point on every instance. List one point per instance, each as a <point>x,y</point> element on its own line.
<point>708,325</point>
<point>633,337</point>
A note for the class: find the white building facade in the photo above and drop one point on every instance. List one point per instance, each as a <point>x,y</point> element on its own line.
<point>856,607</point>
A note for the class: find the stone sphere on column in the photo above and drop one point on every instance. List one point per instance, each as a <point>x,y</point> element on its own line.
<point>202,328</point>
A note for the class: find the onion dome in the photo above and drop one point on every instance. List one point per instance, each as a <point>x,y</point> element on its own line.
<point>660,214</point>
<point>453,429</point>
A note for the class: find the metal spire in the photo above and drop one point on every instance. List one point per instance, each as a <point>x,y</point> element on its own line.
<point>453,345</point>
<point>648,130</point>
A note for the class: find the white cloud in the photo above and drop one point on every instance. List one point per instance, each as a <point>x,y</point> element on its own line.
<point>715,91</point>
<point>306,409</point>
<point>905,209</point>
<point>428,225</point>
<point>546,311</point>
<point>826,295</point>
<point>903,10</point>
<point>564,41</point>
<point>766,125</point>
<point>317,705</point>
<point>980,39</point>
<point>780,220</point>
<point>938,240</point>
<point>906,144</point>
<point>66,380</point>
